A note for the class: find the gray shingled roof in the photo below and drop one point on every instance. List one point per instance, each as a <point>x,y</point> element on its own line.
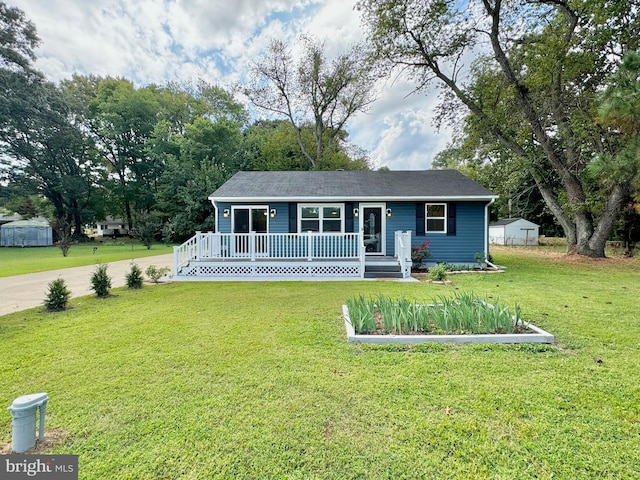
<point>509,221</point>
<point>350,185</point>
<point>504,221</point>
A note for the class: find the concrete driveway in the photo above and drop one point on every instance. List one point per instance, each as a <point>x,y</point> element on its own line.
<point>27,291</point>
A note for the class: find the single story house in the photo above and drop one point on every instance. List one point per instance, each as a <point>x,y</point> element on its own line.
<point>337,224</point>
<point>112,227</point>
<point>513,231</point>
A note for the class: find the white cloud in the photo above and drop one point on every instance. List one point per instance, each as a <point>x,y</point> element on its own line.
<point>398,129</point>
<point>154,41</point>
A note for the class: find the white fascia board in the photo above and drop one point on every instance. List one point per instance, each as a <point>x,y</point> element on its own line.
<point>458,198</point>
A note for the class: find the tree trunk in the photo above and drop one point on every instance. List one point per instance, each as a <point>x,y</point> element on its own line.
<point>598,240</point>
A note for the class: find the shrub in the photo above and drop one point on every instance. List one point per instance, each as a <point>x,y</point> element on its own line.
<point>147,226</point>
<point>100,281</point>
<point>57,296</point>
<point>154,273</point>
<point>419,253</point>
<point>134,277</point>
<point>438,272</point>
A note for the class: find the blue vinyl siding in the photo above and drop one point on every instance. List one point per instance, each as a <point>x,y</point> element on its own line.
<point>469,238</point>
<point>403,217</point>
<point>279,224</point>
<point>459,248</point>
<point>224,224</point>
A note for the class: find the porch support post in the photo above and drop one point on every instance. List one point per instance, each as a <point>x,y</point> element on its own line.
<point>252,246</point>
<point>198,245</point>
<point>361,252</point>
<point>175,261</point>
<point>309,246</point>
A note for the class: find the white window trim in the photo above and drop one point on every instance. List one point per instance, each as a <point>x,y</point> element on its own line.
<point>427,218</point>
<point>250,208</point>
<point>320,206</point>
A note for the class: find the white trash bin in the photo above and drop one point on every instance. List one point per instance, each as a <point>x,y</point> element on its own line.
<point>23,410</point>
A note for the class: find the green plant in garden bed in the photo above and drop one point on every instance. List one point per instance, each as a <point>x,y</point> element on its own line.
<point>463,313</point>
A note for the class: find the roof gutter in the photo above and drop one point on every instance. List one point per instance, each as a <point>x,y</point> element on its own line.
<point>342,198</point>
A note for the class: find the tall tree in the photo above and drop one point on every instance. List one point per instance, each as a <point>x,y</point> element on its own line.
<point>312,91</point>
<point>19,81</point>
<point>273,145</point>
<point>198,161</point>
<point>43,148</point>
<point>619,111</point>
<point>121,120</point>
<point>532,91</point>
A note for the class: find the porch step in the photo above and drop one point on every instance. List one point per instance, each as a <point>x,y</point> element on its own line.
<point>382,268</point>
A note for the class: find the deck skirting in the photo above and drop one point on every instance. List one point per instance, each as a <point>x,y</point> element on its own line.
<point>207,269</point>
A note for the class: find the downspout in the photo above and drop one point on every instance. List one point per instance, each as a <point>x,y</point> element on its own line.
<point>486,230</point>
<point>215,214</point>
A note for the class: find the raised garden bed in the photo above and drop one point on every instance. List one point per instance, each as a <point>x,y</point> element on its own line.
<point>382,321</point>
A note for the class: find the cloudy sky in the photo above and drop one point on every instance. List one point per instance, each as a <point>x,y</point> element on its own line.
<point>155,41</point>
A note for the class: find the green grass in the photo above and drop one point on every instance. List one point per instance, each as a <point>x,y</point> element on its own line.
<point>256,380</point>
<point>18,261</point>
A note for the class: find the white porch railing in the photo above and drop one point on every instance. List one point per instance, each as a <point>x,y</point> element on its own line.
<point>403,252</point>
<point>286,252</point>
<point>251,246</point>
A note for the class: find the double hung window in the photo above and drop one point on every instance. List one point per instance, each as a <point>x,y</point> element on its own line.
<point>436,217</point>
<point>321,218</point>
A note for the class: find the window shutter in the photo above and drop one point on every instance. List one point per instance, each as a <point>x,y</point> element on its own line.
<point>420,219</point>
<point>348,217</point>
<point>451,219</point>
<point>293,217</point>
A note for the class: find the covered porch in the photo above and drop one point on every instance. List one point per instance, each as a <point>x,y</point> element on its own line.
<point>308,255</point>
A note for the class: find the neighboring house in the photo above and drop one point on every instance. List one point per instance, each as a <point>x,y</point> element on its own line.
<point>112,227</point>
<point>337,224</point>
<point>513,231</point>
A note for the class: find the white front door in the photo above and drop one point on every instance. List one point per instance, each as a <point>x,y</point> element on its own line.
<point>373,227</point>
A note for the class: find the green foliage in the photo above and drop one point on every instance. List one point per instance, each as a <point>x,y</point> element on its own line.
<point>100,281</point>
<point>438,272</point>
<point>361,313</point>
<point>524,111</point>
<point>463,313</point>
<point>419,253</point>
<point>62,227</point>
<point>146,228</point>
<point>57,296</point>
<point>134,277</point>
<point>155,273</point>
<point>315,95</point>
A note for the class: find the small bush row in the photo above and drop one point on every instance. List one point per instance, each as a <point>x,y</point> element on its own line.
<point>58,294</point>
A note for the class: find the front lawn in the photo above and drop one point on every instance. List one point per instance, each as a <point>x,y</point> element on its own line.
<point>18,261</point>
<point>256,380</point>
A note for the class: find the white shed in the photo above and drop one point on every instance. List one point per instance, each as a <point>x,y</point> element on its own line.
<point>513,231</point>
<point>26,233</point>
